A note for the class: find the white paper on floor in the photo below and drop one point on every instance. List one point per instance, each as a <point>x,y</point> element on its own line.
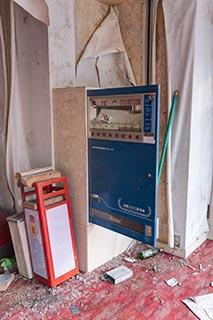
<point>201,306</point>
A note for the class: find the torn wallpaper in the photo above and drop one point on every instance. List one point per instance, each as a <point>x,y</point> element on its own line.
<point>105,63</point>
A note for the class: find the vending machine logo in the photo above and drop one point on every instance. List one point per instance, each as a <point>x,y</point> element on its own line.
<point>135,210</point>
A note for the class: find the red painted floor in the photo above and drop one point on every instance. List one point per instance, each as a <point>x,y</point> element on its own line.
<point>145,296</point>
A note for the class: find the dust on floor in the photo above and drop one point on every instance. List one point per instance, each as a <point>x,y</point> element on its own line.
<point>145,296</point>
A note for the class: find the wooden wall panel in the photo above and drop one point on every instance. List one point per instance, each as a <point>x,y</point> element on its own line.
<point>161,74</point>
<point>133,20</point>
<point>88,15</point>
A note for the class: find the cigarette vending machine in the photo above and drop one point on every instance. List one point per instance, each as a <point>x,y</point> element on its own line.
<point>123,160</point>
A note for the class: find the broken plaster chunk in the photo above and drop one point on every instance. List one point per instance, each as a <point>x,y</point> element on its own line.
<point>200,267</point>
<point>191,267</point>
<point>128,259</point>
<point>172,282</point>
<point>182,263</point>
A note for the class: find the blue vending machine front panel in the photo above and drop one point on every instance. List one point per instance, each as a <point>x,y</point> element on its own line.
<point>123,160</point>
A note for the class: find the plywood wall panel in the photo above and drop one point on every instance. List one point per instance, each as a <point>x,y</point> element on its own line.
<point>161,74</point>
<point>132,18</point>
<point>88,15</point>
<point>70,146</point>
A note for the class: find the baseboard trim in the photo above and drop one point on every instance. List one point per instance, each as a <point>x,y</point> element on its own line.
<point>210,235</point>
<point>185,252</point>
<point>179,252</point>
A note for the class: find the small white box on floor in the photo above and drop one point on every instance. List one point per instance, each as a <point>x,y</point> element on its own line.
<point>118,274</point>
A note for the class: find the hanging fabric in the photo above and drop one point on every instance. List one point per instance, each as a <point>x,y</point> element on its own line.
<point>29,127</point>
<point>37,9</point>
<point>189,70</point>
<point>188,29</point>
<point>6,199</point>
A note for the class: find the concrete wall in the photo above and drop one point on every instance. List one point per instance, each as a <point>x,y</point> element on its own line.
<point>61,43</point>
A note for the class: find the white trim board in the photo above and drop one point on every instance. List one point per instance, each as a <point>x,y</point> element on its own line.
<point>185,252</point>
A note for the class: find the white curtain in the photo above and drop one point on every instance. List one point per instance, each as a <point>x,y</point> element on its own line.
<point>6,200</point>
<point>189,41</point>
<point>180,50</point>
<point>189,45</point>
<point>189,32</point>
<point>36,8</point>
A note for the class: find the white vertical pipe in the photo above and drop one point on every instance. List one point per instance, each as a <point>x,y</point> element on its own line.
<point>168,158</point>
<point>169,183</point>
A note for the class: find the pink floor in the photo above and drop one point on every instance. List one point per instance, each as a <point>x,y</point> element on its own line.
<point>144,296</point>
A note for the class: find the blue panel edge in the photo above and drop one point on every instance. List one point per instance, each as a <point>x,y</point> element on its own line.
<point>123,90</point>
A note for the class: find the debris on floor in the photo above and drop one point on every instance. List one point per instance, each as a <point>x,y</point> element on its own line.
<point>172,282</point>
<point>201,306</point>
<point>7,264</point>
<point>191,267</point>
<point>183,263</point>
<point>118,274</point>
<point>201,267</point>
<point>149,253</point>
<point>5,280</point>
<point>141,297</point>
<point>128,259</point>
<point>75,310</point>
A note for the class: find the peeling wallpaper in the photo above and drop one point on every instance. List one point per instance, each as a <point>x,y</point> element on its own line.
<point>72,23</point>
<point>90,13</point>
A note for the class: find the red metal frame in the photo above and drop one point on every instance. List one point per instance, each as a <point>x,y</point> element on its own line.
<point>45,190</point>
